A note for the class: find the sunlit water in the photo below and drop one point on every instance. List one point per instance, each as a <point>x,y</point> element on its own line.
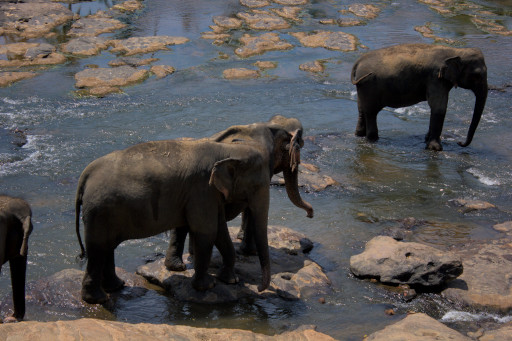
<point>381,183</point>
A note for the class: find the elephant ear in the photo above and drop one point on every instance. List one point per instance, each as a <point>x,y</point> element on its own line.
<point>296,143</point>
<point>451,70</point>
<point>223,176</point>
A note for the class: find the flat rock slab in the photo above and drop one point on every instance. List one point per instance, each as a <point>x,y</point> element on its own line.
<point>294,276</point>
<point>288,12</point>
<point>291,2</point>
<point>261,20</point>
<point>94,25</point>
<point>338,41</point>
<point>32,19</point>
<point>227,22</point>
<point>468,205</point>
<point>119,76</point>
<point>487,279</point>
<point>85,45</point>
<point>128,6</point>
<point>240,73</point>
<point>417,327</point>
<point>136,45</point>
<point>7,78</point>
<point>254,3</point>
<point>505,227</point>
<point>364,10</point>
<point>29,54</point>
<point>93,329</point>
<point>393,262</point>
<point>253,45</point>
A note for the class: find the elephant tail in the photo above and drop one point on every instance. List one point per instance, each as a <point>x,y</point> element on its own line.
<point>353,75</point>
<point>78,203</point>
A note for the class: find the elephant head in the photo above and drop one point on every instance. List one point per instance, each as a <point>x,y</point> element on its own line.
<point>468,70</point>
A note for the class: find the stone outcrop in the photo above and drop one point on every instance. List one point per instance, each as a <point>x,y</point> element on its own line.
<point>240,73</point>
<point>315,66</point>
<point>29,54</point>
<point>393,262</point>
<point>85,46</point>
<point>417,327</point>
<point>92,330</point>
<point>94,25</point>
<point>7,78</point>
<point>101,81</point>
<point>487,279</point>
<point>468,205</point>
<point>262,20</point>
<point>253,45</point>
<point>294,275</point>
<point>140,45</point>
<point>32,19</point>
<point>339,41</point>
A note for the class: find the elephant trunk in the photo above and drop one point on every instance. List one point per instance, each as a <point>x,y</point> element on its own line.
<point>27,229</point>
<point>291,175</point>
<point>480,99</point>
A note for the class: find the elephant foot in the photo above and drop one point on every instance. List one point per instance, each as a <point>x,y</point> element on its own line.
<point>360,133</point>
<point>97,296</point>
<point>12,319</point>
<point>434,145</point>
<point>246,250</point>
<point>113,285</point>
<point>175,264</point>
<point>204,283</point>
<point>372,138</point>
<point>227,276</point>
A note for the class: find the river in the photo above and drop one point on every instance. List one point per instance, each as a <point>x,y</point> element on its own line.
<point>380,184</point>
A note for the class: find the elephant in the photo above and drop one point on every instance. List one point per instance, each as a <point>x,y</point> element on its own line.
<point>15,228</point>
<point>406,74</point>
<point>156,186</point>
<point>281,140</point>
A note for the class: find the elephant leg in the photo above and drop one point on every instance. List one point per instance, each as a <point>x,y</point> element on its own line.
<point>203,245</point>
<point>438,101</point>
<point>361,121</point>
<point>248,245</point>
<point>227,250</point>
<point>18,267</point>
<point>174,255</point>
<point>91,284</point>
<point>111,282</point>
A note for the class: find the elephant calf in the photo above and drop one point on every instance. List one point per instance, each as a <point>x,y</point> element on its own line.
<point>156,186</point>
<point>403,75</point>
<point>15,227</point>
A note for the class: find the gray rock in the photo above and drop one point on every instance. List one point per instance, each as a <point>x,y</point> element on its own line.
<point>294,276</point>
<point>41,51</point>
<point>414,264</point>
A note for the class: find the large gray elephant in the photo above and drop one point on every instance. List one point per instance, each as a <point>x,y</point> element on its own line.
<point>156,186</point>
<point>403,75</point>
<point>15,228</point>
<point>280,140</point>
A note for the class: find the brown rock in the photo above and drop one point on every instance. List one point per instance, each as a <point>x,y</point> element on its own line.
<point>254,3</point>
<point>504,227</point>
<point>365,11</point>
<point>262,20</point>
<point>288,12</point>
<point>330,40</point>
<point>227,22</point>
<point>93,329</point>
<point>136,45</point>
<point>119,76</point>
<point>94,25</point>
<point>291,2</point>
<point>85,45</point>
<point>262,65</point>
<point>102,91</point>
<point>162,71</point>
<point>131,61</point>
<point>128,6</point>
<point>417,327</point>
<point>466,206</point>
<point>7,78</point>
<point>240,73</point>
<point>253,45</point>
<point>314,66</point>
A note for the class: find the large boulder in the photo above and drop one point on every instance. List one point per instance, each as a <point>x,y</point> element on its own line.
<point>417,327</point>
<point>92,329</point>
<point>487,279</point>
<point>414,264</point>
<point>294,275</point>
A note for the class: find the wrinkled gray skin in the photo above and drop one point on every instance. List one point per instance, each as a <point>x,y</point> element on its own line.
<point>403,75</point>
<point>281,139</point>
<point>15,228</point>
<point>156,186</point>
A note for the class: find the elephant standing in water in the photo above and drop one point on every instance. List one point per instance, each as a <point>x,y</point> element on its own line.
<point>280,139</point>
<point>156,186</point>
<point>15,228</point>
<point>403,75</point>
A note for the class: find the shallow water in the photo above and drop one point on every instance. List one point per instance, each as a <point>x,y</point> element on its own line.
<point>381,183</point>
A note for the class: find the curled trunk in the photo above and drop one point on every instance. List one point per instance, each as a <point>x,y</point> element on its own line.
<point>292,189</point>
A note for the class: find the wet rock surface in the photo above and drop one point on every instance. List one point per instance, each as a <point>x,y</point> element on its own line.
<point>99,79</point>
<point>94,25</point>
<point>7,78</point>
<point>141,45</point>
<point>93,329</point>
<point>417,327</point>
<point>487,279</point>
<point>339,41</point>
<point>390,261</point>
<point>85,46</point>
<point>468,205</point>
<point>261,20</point>
<point>253,45</point>
<point>294,275</point>
<point>240,73</point>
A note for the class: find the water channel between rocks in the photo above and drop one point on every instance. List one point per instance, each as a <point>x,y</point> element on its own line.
<point>379,185</point>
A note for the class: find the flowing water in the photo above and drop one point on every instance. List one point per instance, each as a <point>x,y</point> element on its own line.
<point>380,184</point>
